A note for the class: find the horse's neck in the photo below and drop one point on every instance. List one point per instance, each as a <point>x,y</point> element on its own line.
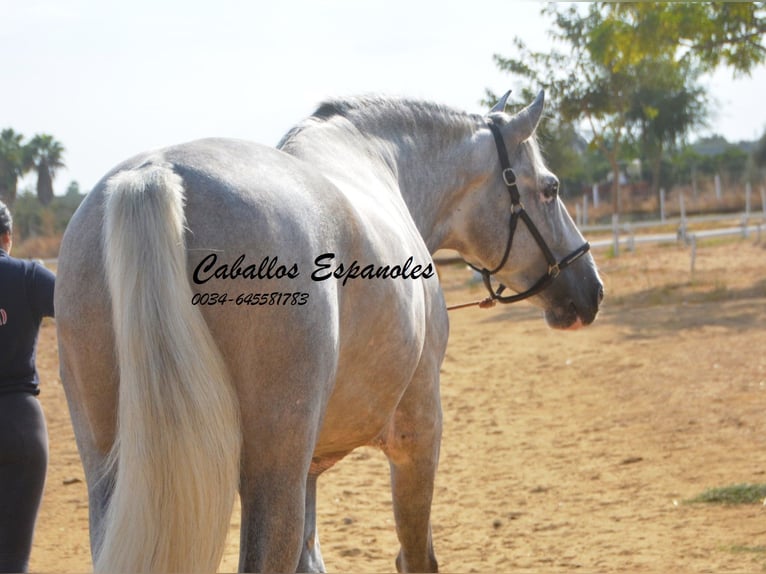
<point>429,174</point>
<point>436,177</point>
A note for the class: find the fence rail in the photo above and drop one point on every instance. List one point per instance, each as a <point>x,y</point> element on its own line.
<point>624,234</point>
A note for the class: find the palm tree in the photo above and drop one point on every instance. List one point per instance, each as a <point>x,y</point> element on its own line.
<point>47,155</point>
<point>13,164</point>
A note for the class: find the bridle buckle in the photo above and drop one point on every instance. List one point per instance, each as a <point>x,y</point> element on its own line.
<point>509,177</point>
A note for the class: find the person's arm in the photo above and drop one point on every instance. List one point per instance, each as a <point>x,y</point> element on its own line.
<point>42,284</point>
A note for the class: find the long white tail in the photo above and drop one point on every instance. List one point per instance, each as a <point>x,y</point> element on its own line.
<point>178,435</point>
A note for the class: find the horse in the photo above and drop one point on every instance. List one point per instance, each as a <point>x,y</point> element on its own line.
<point>237,318</point>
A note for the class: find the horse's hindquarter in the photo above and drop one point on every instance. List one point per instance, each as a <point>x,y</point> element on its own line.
<point>85,334</point>
<point>241,200</point>
<point>318,349</point>
<point>297,346</point>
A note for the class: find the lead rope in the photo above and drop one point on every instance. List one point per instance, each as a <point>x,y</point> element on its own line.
<point>486,303</point>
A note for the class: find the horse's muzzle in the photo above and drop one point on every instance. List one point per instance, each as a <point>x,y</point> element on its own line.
<point>577,310</point>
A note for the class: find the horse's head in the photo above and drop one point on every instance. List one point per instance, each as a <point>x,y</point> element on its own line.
<point>520,234</point>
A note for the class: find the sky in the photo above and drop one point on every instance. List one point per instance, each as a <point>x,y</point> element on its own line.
<point>111,79</point>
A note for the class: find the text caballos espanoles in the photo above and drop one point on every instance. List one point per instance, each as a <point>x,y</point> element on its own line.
<point>325,267</point>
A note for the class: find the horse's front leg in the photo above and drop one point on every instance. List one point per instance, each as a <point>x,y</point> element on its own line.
<point>412,446</point>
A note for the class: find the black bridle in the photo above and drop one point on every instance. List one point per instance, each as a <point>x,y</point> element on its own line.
<point>518,212</point>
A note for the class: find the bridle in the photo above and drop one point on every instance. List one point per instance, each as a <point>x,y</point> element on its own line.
<point>518,212</point>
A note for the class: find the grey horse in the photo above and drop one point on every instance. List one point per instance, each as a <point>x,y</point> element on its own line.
<point>234,317</point>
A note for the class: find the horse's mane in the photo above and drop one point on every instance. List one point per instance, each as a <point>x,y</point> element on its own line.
<point>376,114</point>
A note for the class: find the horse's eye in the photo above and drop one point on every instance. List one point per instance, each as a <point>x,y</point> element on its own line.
<point>551,188</point>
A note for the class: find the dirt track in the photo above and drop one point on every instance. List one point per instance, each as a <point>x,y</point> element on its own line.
<point>561,450</point>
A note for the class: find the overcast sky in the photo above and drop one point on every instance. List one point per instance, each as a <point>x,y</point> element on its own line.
<point>110,79</point>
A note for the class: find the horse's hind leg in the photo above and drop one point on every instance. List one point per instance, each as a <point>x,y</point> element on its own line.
<point>279,437</point>
<point>311,556</point>
<point>273,495</point>
<point>412,446</point>
<point>254,551</point>
<point>90,386</point>
<point>100,481</point>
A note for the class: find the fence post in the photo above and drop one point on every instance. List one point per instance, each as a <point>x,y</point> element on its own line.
<point>693,254</point>
<point>694,182</point>
<point>718,187</point>
<point>662,204</point>
<point>595,195</point>
<point>682,225</point>
<point>748,194</point>
<point>585,209</point>
<point>763,199</point>
<point>616,233</point>
<point>578,215</point>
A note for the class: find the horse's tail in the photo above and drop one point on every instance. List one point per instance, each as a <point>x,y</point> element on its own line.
<point>177,448</point>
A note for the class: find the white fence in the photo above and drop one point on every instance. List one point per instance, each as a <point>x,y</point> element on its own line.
<point>718,225</point>
<point>628,235</point>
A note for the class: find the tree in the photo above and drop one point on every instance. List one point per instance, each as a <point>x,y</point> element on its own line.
<point>703,34</point>
<point>759,154</point>
<point>666,106</point>
<point>47,154</point>
<point>588,81</point>
<point>698,37</point>
<point>13,164</point>
<point>603,76</point>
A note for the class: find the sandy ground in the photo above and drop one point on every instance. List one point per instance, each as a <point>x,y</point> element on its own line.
<point>561,451</point>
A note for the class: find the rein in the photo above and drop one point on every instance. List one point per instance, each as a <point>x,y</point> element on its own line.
<point>518,212</point>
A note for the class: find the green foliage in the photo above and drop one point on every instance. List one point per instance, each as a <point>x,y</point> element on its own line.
<point>12,164</point>
<point>42,153</point>
<point>593,79</point>
<point>665,106</point>
<point>47,156</point>
<point>32,219</point>
<point>627,74</point>
<point>759,155</point>
<point>714,155</point>
<point>735,494</point>
<point>704,35</point>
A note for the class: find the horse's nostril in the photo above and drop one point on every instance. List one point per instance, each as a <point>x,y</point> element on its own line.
<point>600,296</point>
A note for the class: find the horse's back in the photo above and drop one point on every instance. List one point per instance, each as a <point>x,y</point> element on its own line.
<point>269,215</point>
<point>240,198</point>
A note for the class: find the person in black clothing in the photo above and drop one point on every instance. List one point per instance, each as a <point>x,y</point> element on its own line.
<point>26,296</point>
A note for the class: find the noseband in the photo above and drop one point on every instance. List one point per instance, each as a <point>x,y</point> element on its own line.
<point>518,212</point>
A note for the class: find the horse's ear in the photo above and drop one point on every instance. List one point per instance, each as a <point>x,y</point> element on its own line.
<point>500,105</point>
<point>524,124</point>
